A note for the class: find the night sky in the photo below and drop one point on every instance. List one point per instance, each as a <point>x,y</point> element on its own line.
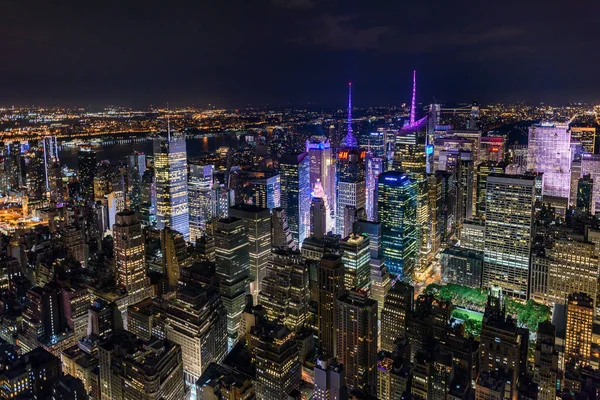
<point>234,53</point>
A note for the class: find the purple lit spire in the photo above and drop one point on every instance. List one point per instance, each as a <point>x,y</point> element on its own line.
<point>350,139</point>
<point>412,104</point>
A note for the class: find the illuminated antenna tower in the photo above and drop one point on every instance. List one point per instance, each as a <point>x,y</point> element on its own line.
<point>412,104</point>
<point>350,139</point>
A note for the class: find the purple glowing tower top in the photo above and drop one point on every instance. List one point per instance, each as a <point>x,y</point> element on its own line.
<point>350,139</point>
<point>412,104</point>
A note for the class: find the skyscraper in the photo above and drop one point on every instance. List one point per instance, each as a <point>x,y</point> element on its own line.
<point>322,169</point>
<point>257,223</point>
<point>330,380</point>
<point>136,166</point>
<point>330,279</point>
<point>580,317</point>
<point>197,320</point>
<point>170,163</point>
<point>397,306</point>
<point>351,186</point>
<point>508,233</point>
<point>375,166</point>
<point>134,368</point>
<point>355,257</point>
<point>174,254</point>
<point>267,192</point>
<point>357,340</point>
<point>200,183</point>
<point>233,270</point>
<point>546,361</point>
<point>86,159</point>
<point>285,294</point>
<point>397,207</point>
<point>549,152</point>
<point>295,193</point>
<point>130,253</point>
<point>275,354</point>
<point>281,235</point>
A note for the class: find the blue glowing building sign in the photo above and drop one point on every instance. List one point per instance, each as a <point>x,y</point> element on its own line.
<point>429,149</point>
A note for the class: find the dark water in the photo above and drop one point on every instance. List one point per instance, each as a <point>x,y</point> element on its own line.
<point>118,152</point>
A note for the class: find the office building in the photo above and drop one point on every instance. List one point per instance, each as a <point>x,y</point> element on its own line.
<point>318,217</point>
<point>375,167</point>
<point>563,267</point>
<point>200,183</point>
<point>267,192</point>
<point>502,342</point>
<point>174,255</point>
<point>546,373</point>
<point>136,166</point>
<point>462,266</point>
<point>472,235</point>
<point>86,160</point>
<point>351,186</point>
<point>130,253</point>
<point>257,223</point>
<point>148,198</point>
<point>196,319</point>
<point>549,152</point>
<point>398,304</point>
<point>133,368</point>
<point>330,380</point>
<point>580,317</point>
<point>281,235</point>
<point>170,164</point>
<point>357,340</point>
<point>491,149</point>
<point>285,293</point>
<point>330,280</point>
<point>233,270</point>
<point>322,170</point>
<point>585,190</point>
<point>397,208</point>
<point>585,137</point>
<point>483,170</point>
<point>355,252</point>
<point>508,233</point>
<point>295,193</point>
<point>275,353</point>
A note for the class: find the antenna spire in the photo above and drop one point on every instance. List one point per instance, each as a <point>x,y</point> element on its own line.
<point>350,139</point>
<point>412,104</point>
<point>168,124</point>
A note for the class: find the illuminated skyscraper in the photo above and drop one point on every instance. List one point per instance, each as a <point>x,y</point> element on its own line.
<point>170,163</point>
<point>275,353</point>
<point>397,207</point>
<point>508,233</point>
<point>285,294</point>
<point>351,186</point>
<point>131,368</point>
<point>86,159</point>
<point>197,320</point>
<point>233,270</point>
<point>357,340</point>
<point>375,166</point>
<point>257,223</point>
<point>267,192</point>
<point>580,317</point>
<point>330,280</point>
<point>355,257</point>
<point>322,169</point>
<point>585,136</point>
<point>130,253</point>
<point>397,306</point>
<point>549,152</point>
<point>200,183</point>
<point>281,236</point>
<point>483,170</point>
<point>36,172</point>
<point>295,193</point>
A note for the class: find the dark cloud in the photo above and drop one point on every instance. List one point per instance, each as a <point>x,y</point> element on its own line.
<point>240,52</point>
